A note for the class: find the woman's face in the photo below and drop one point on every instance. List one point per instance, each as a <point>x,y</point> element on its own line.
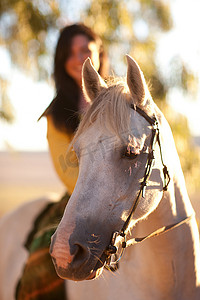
<point>81,48</point>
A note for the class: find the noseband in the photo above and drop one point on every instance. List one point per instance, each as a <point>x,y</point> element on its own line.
<point>111,251</point>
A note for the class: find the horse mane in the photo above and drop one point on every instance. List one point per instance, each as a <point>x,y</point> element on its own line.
<point>111,109</point>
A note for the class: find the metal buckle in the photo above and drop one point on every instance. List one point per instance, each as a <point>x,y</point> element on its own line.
<point>115,250</point>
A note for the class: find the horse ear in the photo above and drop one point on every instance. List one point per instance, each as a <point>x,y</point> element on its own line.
<point>136,82</point>
<point>91,80</point>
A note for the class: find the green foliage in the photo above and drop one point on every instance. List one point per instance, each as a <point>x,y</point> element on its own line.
<point>189,155</point>
<point>126,26</point>
<point>157,13</point>
<point>24,28</point>
<point>135,27</point>
<point>6,110</point>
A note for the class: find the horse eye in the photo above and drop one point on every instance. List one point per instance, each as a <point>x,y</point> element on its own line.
<point>129,154</point>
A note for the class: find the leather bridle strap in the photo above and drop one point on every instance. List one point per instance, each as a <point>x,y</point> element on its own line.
<point>153,121</point>
<point>111,249</point>
<point>143,184</point>
<point>113,266</point>
<point>150,120</point>
<point>159,231</point>
<point>154,138</point>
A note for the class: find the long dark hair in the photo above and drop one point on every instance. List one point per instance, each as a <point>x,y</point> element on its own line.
<point>64,107</point>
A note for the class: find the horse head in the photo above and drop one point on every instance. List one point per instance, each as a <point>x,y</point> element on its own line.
<point>112,144</point>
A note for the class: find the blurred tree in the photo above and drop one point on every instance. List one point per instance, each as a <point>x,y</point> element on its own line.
<point>126,26</point>
<point>5,109</point>
<point>135,27</point>
<point>24,31</point>
<point>25,26</point>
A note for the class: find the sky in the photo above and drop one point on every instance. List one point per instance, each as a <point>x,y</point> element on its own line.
<point>29,98</point>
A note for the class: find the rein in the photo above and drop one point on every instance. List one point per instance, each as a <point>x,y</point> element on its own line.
<point>111,251</point>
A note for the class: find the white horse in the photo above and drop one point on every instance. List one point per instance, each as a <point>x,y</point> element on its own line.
<point>114,145</point>
<point>126,158</point>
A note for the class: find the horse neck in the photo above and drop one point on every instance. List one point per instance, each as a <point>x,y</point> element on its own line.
<point>170,263</point>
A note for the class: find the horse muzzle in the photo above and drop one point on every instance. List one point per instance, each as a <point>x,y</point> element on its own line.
<point>77,260</point>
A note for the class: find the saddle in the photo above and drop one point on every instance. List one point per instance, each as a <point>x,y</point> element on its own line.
<point>39,279</point>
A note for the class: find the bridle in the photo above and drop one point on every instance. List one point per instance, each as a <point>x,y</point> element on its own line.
<point>111,250</point>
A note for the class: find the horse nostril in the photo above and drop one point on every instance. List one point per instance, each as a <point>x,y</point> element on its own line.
<point>81,255</point>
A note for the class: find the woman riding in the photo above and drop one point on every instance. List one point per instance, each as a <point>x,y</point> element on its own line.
<point>75,44</point>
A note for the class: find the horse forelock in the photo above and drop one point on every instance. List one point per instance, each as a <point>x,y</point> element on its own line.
<point>111,109</point>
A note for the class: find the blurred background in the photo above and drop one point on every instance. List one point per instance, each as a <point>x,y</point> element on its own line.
<point>162,35</point>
